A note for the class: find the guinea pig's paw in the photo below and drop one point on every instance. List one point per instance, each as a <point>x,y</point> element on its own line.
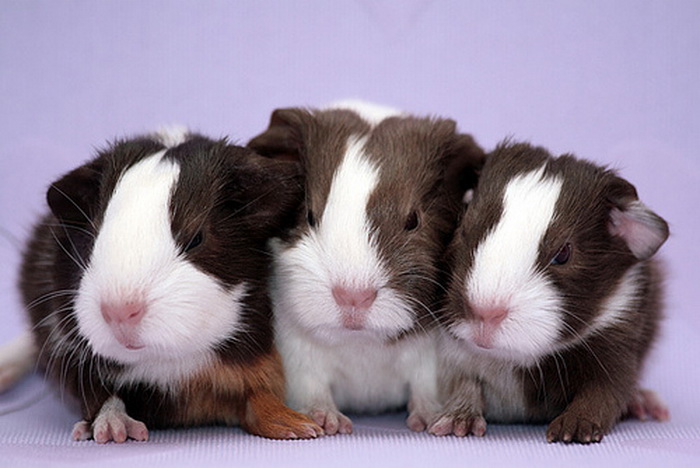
<point>422,412</point>
<point>332,421</point>
<point>420,420</point>
<point>113,424</point>
<point>569,427</point>
<point>646,404</point>
<point>460,425</point>
<point>290,425</point>
<point>118,428</point>
<point>267,416</point>
<point>82,430</point>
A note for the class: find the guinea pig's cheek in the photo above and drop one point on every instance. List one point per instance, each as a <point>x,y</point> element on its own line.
<point>528,333</point>
<point>521,323</point>
<point>390,313</point>
<point>191,312</point>
<point>298,286</point>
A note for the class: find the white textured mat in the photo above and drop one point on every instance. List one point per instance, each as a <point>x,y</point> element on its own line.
<point>35,430</point>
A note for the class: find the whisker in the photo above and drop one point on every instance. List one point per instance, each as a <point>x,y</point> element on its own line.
<point>82,212</point>
<point>75,260</point>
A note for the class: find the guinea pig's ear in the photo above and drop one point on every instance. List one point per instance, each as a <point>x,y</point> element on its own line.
<point>284,137</point>
<point>265,192</point>
<point>643,230</point>
<point>72,196</point>
<point>463,164</point>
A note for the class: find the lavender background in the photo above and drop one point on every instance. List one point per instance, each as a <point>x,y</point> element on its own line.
<point>616,82</point>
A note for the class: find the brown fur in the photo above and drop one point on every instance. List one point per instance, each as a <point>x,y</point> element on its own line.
<point>584,389</point>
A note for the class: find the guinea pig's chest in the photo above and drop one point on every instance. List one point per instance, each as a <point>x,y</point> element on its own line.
<point>502,384</point>
<point>369,376</point>
<point>503,392</point>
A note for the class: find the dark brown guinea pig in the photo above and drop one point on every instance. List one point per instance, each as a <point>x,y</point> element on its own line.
<point>147,288</point>
<point>354,284</point>
<point>554,298</point>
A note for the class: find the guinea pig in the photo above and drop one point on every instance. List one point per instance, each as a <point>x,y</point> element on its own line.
<point>354,283</point>
<point>554,299</point>
<point>147,288</point>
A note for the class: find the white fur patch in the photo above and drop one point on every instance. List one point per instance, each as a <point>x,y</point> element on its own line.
<point>356,373</point>
<point>370,112</point>
<point>17,358</point>
<point>616,307</point>
<point>504,273</point>
<point>135,258</point>
<point>172,136</point>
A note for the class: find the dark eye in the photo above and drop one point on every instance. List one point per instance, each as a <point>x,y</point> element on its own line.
<point>195,241</point>
<point>310,218</point>
<point>412,221</point>
<point>562,256</point>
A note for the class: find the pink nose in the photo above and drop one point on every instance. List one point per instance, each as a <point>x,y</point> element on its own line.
<point>361,299</point>
<point>129,313</point>
<point>491,316</point>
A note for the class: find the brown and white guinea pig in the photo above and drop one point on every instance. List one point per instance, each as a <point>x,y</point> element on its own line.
<point>147,288</point>
<point>554,298</point>
<point>355,282</point>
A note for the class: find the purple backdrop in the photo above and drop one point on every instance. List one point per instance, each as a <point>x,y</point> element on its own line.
<point>617,82</point>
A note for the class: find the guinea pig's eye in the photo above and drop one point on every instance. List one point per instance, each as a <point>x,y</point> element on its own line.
<point>310,218</point>
<point>195,241</point>
<point>562,256</point>
<point>412,221</point>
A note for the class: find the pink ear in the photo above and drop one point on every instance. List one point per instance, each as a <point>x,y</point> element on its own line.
<point>642,229</point>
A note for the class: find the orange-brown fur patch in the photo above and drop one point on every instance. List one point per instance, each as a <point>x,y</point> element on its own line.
<point>267,416</point>
<point>218,393</point>
<point>250,394</point>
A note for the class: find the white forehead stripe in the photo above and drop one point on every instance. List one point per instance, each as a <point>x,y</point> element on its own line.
<point>505,273</point>
<point>344,226</point>
<point>615,309</point>
<point>372,113</point>
<point>508,255</point>
<point>172,136</point>
<point>136,228</point>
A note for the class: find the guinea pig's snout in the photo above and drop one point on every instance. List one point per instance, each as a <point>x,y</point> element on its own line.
<point>354,304</point>
<point>129,313</point>
<point>488,320</point>
<point>490,315</point>
<point>361,299</point>
<point>123,320</point>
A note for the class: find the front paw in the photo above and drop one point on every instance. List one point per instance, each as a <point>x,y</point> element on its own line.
<point>421,413</point>
<point>111,424</point>
<point>288,424</point>
<point>267,416</point>
<point>117,430</point>
<point>332,421</point>
<point>646,404</point>
<point>460,425</point>
<point>574,428</point>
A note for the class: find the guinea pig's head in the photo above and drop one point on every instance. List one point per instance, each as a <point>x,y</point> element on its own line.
<point>548,252</point>
<point>382,198</point>
<point>169,242</point>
